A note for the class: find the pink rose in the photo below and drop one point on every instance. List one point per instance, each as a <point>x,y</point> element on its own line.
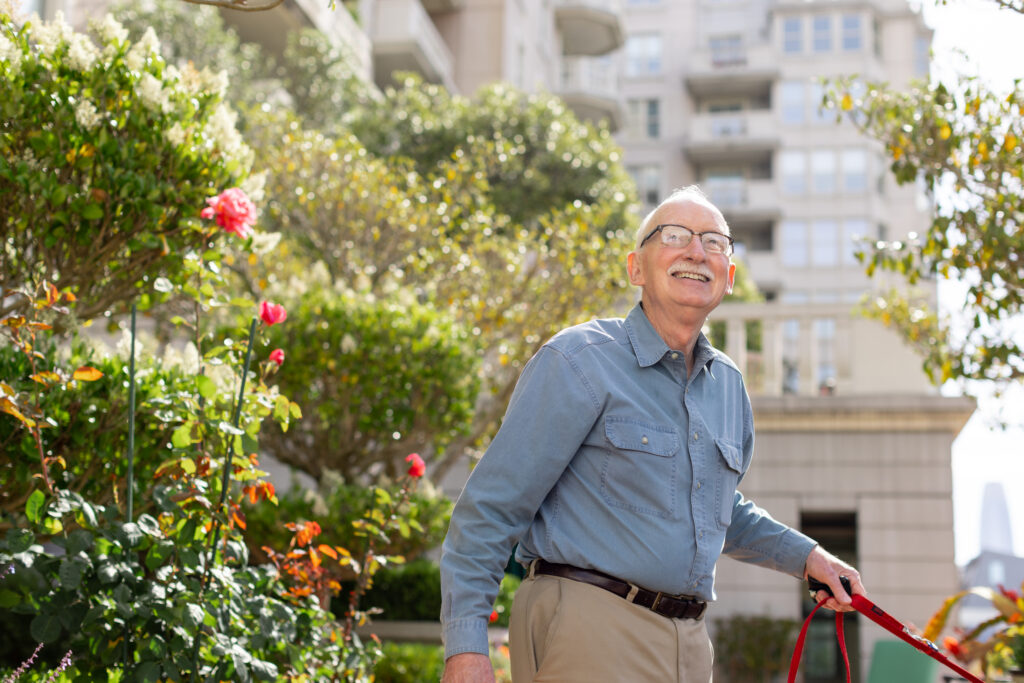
<point>233,211</point>
<point>277,356</point>
<point>272,313</point>
<point>417,468</point>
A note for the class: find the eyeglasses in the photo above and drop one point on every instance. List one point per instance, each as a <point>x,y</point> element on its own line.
<point>680,236</point>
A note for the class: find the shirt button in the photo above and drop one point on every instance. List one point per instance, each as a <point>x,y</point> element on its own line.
<point>643,440</point>
<point>675,356</point>
<point>698,484</point>
<point>695,436</point>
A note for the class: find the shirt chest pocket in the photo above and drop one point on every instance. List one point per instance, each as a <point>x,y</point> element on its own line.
<point>729,468</point>
<point>639,470</point>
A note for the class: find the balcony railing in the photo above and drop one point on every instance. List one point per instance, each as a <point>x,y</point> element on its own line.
<point>589,85</point>
<point>740,195</point>
<point>732,136</point>
<point>815,349</point>
<point>405,38</point>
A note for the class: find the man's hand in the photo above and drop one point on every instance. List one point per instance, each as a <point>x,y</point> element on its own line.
<point>827,568</point>
<point>468,667</point>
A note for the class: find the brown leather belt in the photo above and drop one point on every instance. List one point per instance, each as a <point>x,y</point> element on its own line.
<point>672,606</point>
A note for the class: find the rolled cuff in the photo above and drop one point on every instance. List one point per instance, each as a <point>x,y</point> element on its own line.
<point>796,547</point>
<point>466,635</point>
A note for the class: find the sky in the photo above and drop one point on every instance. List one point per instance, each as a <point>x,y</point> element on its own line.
<point>975,37</point>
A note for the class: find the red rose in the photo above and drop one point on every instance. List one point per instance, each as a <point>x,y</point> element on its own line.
<point>417,468</point>
<point>272,313</point>
<point>277,356</point>
<point>233,211</point>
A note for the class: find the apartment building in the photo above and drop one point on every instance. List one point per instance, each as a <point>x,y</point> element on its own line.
<point>853,443</point>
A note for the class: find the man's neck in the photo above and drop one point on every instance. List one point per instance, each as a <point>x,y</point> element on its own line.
<point>679,334</point>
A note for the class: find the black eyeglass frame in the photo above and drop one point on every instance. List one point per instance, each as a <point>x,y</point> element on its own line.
<point>693,233</point>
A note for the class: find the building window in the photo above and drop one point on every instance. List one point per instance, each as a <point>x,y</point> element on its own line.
<point>726,188</point>
<point>643,54</point>
<point>825,338</point>
<point>648,183</point>
<point>922,56</point>
<point>821,37</point>
<point>854,230</point>
<point>728,51</point>
<point>791,102</point>
<point>29,7</point>
<point>823,172</point>
<point>854,167</point>
<point>852,39</point>
<point>825,243</point>
<point>793,35</point>
<point>793,171</point>
<point>793,242</point>
<point>644,118</point>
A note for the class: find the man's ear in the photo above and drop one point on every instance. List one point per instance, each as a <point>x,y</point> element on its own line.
<point>636,276</point>
<point>732,277</point>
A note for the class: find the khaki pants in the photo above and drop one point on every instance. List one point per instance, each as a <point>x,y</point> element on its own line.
<point>564,631</point>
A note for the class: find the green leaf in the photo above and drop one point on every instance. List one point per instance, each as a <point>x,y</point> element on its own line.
<point>263,671</point>
<point>207,389</point>
<point>148,672</point>
<point>9,599</point>
<point>34,506</point>
<point>19,540</point>
<point>132,534</point>
<point>92,212</point>
<point>149,526</point>
<point>45,628</point>
<point>52,525</point>
<point>193,615</point>
<point>182,436</point>
<point>70,573</point>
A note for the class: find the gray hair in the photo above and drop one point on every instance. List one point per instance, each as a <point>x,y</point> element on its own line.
<point>682,195</point>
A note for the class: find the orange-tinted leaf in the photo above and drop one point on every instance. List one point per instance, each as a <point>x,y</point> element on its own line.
<point>52,295</point>
<point>328,551</point>
<point>40,326</point>
<point>14,321</point>
<point>7,406</point>
<point>87,374</point>
<point>46,378</point>
<point>314,557</point>
<point>69,297</point>
<point>239,520</point>
<point>938,620</point>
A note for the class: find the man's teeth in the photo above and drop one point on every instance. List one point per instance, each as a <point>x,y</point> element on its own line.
<point>691,276</point>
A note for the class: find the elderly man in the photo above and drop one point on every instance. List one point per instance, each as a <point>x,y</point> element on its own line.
<point>615,469</point>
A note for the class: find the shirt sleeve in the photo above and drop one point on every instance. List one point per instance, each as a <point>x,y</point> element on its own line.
<point>551,411</point>
<point>754,536</point>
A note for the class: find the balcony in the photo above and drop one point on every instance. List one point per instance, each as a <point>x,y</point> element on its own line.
<point>589,27</point>
<point>270,28</point>
<point>743,137</point>
<point>815,350</point>
<point>588,86</point>
<point>405,39</point>
<point>744,200</point>
<point>735,69</point>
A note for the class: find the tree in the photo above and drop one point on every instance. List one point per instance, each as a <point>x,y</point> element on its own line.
<point>964,142</point>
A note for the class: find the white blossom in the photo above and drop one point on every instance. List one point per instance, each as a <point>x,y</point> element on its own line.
<point>222,134</point>
<point>148,46</point>
<point>11,53</point>
<point>82,54</point>
<point>264,243</point>
<point>151,92</point>
<point>175,134</point>
<point>254,186</point>
<point>86,114</point>
<point>109,30</point>
<point>49,36</point>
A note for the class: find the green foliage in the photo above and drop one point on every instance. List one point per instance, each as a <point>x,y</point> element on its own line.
<point>409,663</point>
<point>754,648</point>
<point>408,592</point>
<point>91,437</point>
<point>964,143</point>
<point>539,156</point>
<point>106,154</point>
<point>343,503</point>
<point>392,375</point>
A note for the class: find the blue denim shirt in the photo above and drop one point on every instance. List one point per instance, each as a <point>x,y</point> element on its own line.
<point>610,458</point>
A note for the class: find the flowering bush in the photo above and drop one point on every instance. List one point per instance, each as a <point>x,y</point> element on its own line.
<point>104,152</point>
<point>997,642</point>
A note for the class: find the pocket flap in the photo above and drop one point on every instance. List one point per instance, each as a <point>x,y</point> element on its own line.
<point>731,454</point>
<point>635,435</point>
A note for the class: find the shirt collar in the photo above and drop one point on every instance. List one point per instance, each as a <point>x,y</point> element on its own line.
<point>650,348</point>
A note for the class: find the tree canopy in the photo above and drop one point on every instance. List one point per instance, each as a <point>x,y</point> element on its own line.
<point>963,141</point>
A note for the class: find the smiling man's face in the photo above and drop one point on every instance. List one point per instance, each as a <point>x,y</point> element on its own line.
<point>682,282</point>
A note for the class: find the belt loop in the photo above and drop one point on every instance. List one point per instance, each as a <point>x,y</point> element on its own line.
<point>533,568</point>
<point>633,590</point>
